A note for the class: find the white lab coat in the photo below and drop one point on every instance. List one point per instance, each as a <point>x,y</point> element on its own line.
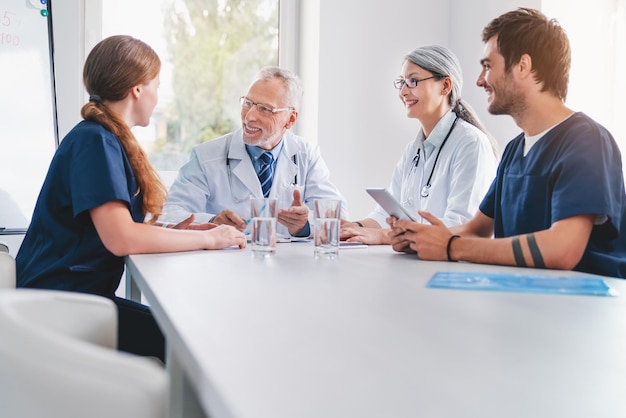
<point>219,175</point>
<point>463,173</point>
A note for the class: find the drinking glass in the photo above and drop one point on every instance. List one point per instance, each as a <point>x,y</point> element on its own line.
<point>264,212</point>
<point>327,218</point>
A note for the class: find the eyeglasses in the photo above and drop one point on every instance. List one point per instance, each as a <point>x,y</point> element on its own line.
<point>261,108</point>
<point>412,82</point>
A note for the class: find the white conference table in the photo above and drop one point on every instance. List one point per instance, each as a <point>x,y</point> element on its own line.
<point>362,336</point>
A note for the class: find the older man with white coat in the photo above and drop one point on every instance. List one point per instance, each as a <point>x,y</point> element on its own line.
<point>221,175</point>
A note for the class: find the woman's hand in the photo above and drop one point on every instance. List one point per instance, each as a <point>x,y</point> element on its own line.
<point>224,236</point>
<point>373,236</point>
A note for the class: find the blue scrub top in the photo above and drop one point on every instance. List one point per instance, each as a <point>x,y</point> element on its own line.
<point>574,169</point>
<point>62,249</point>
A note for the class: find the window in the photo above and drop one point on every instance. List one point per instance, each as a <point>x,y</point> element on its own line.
<point>209,50</point>
<point>597,84</point>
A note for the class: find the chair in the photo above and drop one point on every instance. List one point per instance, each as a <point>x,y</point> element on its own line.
<point>7,267</point>
<point>58,359</point>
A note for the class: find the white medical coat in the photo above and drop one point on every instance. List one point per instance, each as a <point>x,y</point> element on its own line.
<point>463,173</point>
<point>219,175</point>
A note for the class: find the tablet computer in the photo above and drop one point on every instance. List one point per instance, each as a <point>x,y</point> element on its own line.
<point>390,204</point>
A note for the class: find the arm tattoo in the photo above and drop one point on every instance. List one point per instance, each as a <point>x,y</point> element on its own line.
<point>517,252</point>
<point>534,251</point>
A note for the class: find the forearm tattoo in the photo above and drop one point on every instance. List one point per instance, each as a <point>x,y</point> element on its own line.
<point>517,252</point>
<point>535,252</point>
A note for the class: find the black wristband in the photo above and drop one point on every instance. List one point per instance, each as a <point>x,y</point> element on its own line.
<point>359,223</point>
<point>448,246</point>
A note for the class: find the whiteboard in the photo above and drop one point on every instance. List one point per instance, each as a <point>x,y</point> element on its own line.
<point>28,129</point>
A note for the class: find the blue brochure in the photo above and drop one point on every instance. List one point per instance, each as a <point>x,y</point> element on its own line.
<point>527,283</point>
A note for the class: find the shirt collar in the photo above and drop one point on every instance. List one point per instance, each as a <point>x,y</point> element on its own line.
<point>255,152</point>
<point>438,134</point>
<point>529,141</point>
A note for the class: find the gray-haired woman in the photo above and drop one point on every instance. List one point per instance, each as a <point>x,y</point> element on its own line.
<point>449,167</point>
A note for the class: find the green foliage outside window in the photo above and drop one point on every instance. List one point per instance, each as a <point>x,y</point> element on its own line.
<point>216,47</point>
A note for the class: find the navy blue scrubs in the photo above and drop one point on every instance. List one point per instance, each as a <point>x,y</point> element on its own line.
<point>62,249</point>
<point>574,169</point>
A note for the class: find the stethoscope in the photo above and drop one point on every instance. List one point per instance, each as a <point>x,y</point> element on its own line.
<point>425,192</point>
<point>230,178</point>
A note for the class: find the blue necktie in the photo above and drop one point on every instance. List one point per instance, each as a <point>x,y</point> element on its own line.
<point>265,175</point>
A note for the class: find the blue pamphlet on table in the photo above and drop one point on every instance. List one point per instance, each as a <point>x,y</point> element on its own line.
<point>525,283</point>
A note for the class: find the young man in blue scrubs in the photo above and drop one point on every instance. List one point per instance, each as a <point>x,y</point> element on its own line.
<point>558,199</point>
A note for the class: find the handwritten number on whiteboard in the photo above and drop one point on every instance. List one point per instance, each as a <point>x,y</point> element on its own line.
<point>6,19</point>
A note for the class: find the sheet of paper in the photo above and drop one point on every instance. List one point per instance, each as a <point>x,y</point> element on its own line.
<point>349,244</point>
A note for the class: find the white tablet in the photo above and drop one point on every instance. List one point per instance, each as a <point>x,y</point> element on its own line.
<point>390,204</point>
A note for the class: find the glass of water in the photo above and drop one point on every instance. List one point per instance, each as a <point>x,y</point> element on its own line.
<point>327,215</point>
<point>264,212</point>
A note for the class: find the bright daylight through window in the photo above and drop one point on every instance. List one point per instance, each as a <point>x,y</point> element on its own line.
<point>210,50</point>
<point>597,84</point>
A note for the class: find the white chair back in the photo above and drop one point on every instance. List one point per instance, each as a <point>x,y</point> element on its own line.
<point>58,359</point>
<point>7,270</point>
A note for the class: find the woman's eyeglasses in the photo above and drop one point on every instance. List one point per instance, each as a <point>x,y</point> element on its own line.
<point>412,82</point>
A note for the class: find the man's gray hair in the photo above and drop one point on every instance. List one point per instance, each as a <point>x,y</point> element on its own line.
<point>292,81</point>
